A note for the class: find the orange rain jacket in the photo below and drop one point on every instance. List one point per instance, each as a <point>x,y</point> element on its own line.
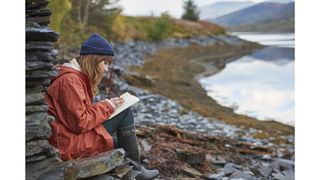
<point>77,131</point>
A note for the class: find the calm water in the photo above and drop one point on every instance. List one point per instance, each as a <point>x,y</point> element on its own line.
<point>261,84</point>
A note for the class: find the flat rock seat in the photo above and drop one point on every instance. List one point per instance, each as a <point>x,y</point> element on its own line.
<point>94,168</point>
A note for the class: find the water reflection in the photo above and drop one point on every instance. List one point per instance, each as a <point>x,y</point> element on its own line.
<point>259,85</point>
<point>275,55</point>
<point>275,40</point>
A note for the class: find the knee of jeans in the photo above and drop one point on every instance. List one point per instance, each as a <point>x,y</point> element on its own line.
<point>128,119</point>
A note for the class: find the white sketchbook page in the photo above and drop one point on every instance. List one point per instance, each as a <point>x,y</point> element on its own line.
<point>129,100</point>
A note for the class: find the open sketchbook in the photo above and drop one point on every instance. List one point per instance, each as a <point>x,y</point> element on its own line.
<point>129,100</point>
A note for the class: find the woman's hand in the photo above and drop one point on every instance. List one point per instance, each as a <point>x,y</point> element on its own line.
<point>117,101</point>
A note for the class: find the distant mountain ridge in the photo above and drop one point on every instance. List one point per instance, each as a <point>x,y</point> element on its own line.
<point>214,10</point>
<point>217,9</point>
<point>264,16</point>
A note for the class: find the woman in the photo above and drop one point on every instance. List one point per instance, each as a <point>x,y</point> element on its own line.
<point>82,128</point>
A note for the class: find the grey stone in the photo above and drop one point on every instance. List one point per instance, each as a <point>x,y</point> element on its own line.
<point>242,175</point>
<point>38,12</point>
<point>261,169</point>
<point>288,164</point>
<point>277,176</point>
<point>190,171</point>
<point>216,176</point>
<point>35,89</point>
<point>36,109</point>
<point>32,82</point>
<point>39,47</point>
<point>228,169</point>
<point>192,158</point>
<point>124,171</point>
<point>35,99</point>
<point>36,4</point>
<point>266,157</point>
<point>41,34</point>
<point>41,56</point>
<point>265,170</point>
<point>92,166</point>
<point>102,177</point>
<point>37,126</point>
<point>41,74</point>
<point>288,175</point>
<point>227,39</point>
<point>38,65</point>
<point>47,169</point>
<point>38,150</point>
<point>41,20</point>
<point>282,164</point>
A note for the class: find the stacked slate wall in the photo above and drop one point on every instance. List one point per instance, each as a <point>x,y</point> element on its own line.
<point>42,161</point>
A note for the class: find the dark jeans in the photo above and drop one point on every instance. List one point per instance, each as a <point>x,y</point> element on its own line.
<point>123,119</point>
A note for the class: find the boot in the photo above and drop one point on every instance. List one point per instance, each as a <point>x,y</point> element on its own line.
<point>128,141</point>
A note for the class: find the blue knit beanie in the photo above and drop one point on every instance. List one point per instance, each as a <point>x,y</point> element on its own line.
<point>96,44</point>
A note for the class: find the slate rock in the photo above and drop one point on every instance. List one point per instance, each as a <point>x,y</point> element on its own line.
<point>263,170</point>
<point>242,175</point>
<point>39,47</point>
<point>103,177</point>
<point>41,20</point>
<point>35,99</point>
<point>33,82</point>
<point>38,150</point>
<point>41,34</point>
<point>216,160</point>
<point>266,157</point>
<point>37,126</point>
<point>288,175</point>
<point>282,164</point>
<point>41,74</point>
<point>36,4</point>
<point>192,158</point>
<point>31,109</point>
<point>47,169</point>
<point>190,171</point>
<point>36,65</point>
<point>230,168</point>
<point>38,12</point>
<point>96,165</point>
<point>216,176</point>
<point>41,56</point>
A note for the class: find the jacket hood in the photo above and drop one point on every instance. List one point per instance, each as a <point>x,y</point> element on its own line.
<point>67,68</point>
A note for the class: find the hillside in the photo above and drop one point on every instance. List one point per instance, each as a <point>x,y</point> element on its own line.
<point>215,10</point>
<point>260,17</point>
<point>139,28</point>
<point>136,28</point>
<point>281,25</point>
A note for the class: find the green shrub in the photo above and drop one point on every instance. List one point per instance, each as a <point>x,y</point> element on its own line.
<point>160,27</point>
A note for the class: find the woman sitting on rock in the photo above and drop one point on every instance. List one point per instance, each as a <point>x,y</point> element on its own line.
<point>81,127</point>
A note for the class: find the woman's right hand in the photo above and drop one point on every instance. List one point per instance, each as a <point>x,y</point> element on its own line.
<point>117,101</point>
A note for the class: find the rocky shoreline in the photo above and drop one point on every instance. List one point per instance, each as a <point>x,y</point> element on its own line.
<point>174,73</point>
<point>159,110</point>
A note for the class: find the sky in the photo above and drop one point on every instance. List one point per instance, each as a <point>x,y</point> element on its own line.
<point>156,7</point>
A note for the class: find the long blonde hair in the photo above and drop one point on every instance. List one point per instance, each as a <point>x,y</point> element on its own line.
<point>90,66</point>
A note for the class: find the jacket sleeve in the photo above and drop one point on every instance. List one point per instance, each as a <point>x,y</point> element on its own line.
<point>81,116</point>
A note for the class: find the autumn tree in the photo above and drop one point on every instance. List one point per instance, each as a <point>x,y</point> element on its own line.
<point>59,8</point>
<point>99,13</point>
